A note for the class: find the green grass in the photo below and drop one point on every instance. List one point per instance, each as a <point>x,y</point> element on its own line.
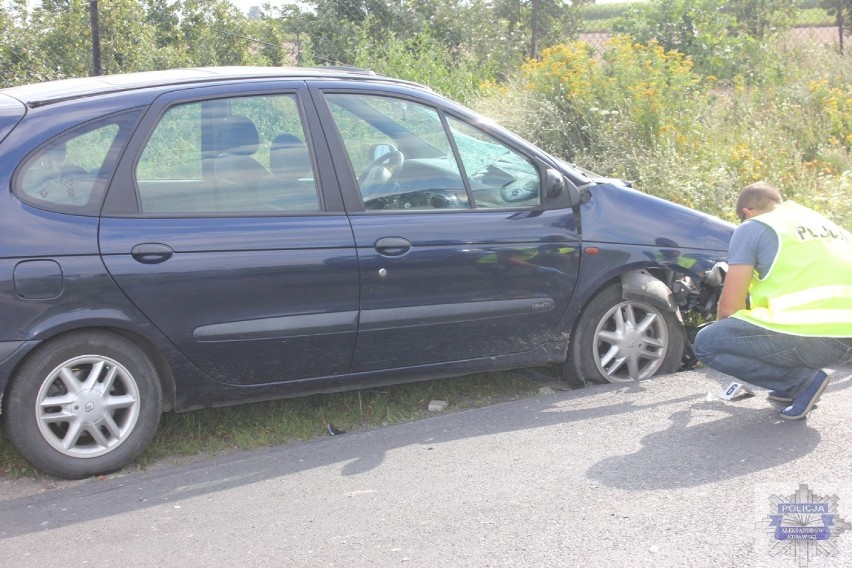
<point>212,431</point>
<point>814,17</point>
<point>601,17</point>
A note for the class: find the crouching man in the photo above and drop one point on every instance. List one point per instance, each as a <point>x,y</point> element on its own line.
<point>786,307</point>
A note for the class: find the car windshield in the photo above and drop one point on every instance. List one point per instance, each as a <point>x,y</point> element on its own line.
<point>479,154</point>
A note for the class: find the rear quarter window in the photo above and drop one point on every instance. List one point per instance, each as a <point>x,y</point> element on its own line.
<point>70,173</point>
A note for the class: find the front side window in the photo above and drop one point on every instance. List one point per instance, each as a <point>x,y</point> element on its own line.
<point>70,173</point>
<point>244,155</point>
<point>402,154</point>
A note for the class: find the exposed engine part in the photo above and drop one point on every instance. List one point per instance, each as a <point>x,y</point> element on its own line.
<point>716,275</point>
<point>701,299</point>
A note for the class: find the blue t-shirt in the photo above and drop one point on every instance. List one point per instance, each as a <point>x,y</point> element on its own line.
<point>755,244</point>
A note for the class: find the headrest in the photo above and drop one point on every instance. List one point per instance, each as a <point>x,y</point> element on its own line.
<point>239,136</point>
<point>288,157</point>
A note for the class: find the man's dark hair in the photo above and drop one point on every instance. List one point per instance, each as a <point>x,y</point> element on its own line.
<point>759,196</point>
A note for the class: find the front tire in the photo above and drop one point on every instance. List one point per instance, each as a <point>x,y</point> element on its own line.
<point>83,404</point>
<point>618,340</point>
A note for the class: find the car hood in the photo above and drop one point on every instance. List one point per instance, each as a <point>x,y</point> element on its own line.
<point>614,213</point>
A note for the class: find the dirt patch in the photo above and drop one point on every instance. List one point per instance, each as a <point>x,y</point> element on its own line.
<point>37,483</point>
<point>29,486</point>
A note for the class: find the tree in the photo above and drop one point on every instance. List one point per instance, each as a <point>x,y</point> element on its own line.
<point>20,59</point>
<point>338,24</point>
<point>128,42</point>
<point>65,36</point>
<point>163,17</point>
<point>543,22</point>
<point>761,18</point>
<point>214,33</point>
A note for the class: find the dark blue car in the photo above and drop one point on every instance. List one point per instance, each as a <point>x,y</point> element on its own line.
<point>190,238</point>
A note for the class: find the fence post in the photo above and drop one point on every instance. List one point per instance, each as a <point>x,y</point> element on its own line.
<point>96,38</point>
<point>533,29</point>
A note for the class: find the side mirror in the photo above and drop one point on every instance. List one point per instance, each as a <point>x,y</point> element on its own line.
<point>559,191</point>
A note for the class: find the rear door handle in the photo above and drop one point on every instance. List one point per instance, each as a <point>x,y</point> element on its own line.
<point>393,246</point>
<point>151,253</point>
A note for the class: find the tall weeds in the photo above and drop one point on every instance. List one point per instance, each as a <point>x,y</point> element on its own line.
<point>644,113</point>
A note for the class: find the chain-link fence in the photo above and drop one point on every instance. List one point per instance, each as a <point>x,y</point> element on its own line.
<point>829,37</point>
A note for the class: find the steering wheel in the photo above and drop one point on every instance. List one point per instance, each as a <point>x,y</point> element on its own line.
<point>515,192</point>
<point>379,173</point>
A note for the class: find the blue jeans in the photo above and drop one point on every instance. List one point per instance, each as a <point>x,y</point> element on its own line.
<point>774,361</point>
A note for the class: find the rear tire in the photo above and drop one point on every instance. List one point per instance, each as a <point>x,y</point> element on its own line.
<point>618,340</point>
<point>83,404</point>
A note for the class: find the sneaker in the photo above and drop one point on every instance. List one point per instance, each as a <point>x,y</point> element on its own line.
<point>805,401</point>
<point>780,396</point>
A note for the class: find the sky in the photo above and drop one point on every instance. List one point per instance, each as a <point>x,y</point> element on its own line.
<point>245,5</point>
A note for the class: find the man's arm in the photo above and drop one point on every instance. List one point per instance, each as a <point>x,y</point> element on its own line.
<point>735,290</point>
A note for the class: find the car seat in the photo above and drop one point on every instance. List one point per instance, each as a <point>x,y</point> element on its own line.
<point>291,186</point>
<point>237,171</point>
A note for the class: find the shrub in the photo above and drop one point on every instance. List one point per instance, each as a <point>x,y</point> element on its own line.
<point>423,59</point>
<point>638,94</point>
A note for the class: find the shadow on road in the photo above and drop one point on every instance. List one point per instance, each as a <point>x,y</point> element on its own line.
<point>685,455</point>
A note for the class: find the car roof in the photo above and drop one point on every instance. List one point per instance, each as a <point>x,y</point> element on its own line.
<point>38,94</point>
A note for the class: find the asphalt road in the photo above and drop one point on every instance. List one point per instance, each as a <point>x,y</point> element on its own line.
<point>652,474</point>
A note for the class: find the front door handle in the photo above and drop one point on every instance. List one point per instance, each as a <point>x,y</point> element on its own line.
<point>393,246</point>
<point>152,253</point>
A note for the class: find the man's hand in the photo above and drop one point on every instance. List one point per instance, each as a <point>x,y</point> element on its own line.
<point>735,289</point>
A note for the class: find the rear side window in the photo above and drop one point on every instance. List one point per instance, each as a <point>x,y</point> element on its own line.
<point>228,156</point>
<point>70,173</point>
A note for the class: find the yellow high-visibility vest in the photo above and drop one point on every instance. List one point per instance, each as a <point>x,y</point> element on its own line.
<point>808,288</point>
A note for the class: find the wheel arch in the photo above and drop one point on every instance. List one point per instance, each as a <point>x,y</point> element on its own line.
<point>164,370</point>
<point>641,286</point>
<point>632,277</point>
<point>638,286</point>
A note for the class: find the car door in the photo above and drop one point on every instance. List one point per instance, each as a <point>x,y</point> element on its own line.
<point>223,227</point>
<point>458,258</point>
